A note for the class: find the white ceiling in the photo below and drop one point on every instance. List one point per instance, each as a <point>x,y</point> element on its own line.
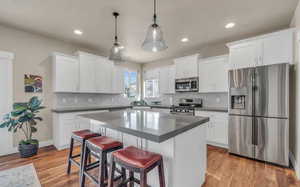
<point>201,20</point>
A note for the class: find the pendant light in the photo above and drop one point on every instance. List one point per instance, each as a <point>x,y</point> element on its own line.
<point>116,52</point>
<point>154,39</point>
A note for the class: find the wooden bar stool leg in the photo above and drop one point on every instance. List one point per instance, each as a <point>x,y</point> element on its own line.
<point>82,151</point>
<point>112,173</point>
<point>70,156</point>
<point>106,166</point>
<point>90,158</point>
<point>85,154</point>
<point>131,175</point>
<point>143,179</point>
<point>123,176</point>
<point>161,174</point>
<point>102,170</point>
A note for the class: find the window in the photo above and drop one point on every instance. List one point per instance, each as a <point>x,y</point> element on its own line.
<point>151,88</point>
<point>131,84</point>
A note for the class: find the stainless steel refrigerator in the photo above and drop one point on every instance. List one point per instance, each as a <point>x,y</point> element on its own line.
<point>259,113</point>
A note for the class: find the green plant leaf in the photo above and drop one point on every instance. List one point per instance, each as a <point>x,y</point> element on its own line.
<point>32,122</point>
<point>33,129</point>
<point>34,103</point>
<point>23,119</point>
<point>6,117</point>
<point>17,106</point>
<point>3,125</point>
<point>32,141</point>
<point>23,114</point>
<point>10,128</point>
<point>38,118</point>
<point>16,113</point>
<point>15,130</point>
<point>38,108</point>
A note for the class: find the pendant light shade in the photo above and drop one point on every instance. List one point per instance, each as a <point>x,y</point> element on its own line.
<point>154,40</point>
<point>116,52</point>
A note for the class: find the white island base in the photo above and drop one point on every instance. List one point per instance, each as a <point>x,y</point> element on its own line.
<point>184,156</point>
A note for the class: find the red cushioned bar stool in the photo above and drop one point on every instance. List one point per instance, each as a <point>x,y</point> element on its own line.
<point>80,137</point>
<point>99,147</point>
<point>136,161</point>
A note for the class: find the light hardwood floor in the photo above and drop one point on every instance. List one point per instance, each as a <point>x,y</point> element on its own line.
<point>224,170</point>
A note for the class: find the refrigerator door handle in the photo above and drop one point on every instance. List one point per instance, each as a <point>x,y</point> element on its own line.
<point>255,132</point>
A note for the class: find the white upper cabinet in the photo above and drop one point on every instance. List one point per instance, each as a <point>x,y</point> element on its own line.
<point>263,50</point>
<point>245,55</point>
<point>87,75</point>
<point>167,79</point>
<point>103,75</point>
<point>278,48</point>
<point>95,73</point>
<point>65,73</point>
<point>118,85</point>
<point>151,74</point>
<point>213,74</point>
<point>186,67</point>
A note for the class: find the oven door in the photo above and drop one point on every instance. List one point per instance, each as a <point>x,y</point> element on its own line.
<point>183,113</point>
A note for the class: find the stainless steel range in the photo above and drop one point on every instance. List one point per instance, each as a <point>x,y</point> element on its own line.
<point>186,106</point>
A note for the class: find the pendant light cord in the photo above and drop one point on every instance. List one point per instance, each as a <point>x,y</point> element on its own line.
<point>154,16</point>
<point>116,26</point>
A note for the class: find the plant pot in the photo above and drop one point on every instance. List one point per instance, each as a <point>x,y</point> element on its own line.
<point>28,150</point>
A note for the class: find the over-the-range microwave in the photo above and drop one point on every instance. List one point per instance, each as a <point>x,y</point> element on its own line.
<point>187,85</point>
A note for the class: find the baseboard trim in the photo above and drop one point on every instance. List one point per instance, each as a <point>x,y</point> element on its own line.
<point>41,144</point>
<point>295,165</point>
<point>46,143</point>
<point>217,144</point>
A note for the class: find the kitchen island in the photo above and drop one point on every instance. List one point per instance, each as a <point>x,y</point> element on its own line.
<point>180,139</point>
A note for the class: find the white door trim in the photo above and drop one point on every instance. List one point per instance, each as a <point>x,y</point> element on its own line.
<point>7,137</point>
<point>7,55</point>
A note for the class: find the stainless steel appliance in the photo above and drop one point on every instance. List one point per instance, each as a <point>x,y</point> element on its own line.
<point>259,113</point>
<point>186,106</point>
<point>187,85</point>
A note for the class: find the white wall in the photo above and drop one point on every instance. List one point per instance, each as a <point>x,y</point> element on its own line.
<point>30,51</point>
<point>295,99</point>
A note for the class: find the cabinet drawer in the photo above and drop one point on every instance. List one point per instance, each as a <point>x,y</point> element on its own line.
<point>214,116</point>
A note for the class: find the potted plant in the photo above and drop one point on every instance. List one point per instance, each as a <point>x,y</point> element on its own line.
<point>24,117</point>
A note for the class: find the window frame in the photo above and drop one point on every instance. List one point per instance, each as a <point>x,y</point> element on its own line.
<point>153,92</point>
<point>126,94</point>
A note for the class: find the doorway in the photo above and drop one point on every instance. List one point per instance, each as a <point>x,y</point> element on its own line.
<point>6,99</point>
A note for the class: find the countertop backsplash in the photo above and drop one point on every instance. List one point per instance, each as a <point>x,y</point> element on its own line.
<point>209,99</point>
<point>83,100</point>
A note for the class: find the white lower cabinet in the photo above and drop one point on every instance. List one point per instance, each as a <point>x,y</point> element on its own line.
<point>217,129</point>
<point>65,123</point>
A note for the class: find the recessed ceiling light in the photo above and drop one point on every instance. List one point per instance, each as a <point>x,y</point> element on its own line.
<point>184,40</point>
<point>78,32</point>
<point>229,25</point>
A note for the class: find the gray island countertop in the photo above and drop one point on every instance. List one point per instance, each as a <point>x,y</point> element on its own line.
<point>149,125</point>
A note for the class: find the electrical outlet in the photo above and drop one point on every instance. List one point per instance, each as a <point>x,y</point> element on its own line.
<point>64,100</point>
<point>218,100</point>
